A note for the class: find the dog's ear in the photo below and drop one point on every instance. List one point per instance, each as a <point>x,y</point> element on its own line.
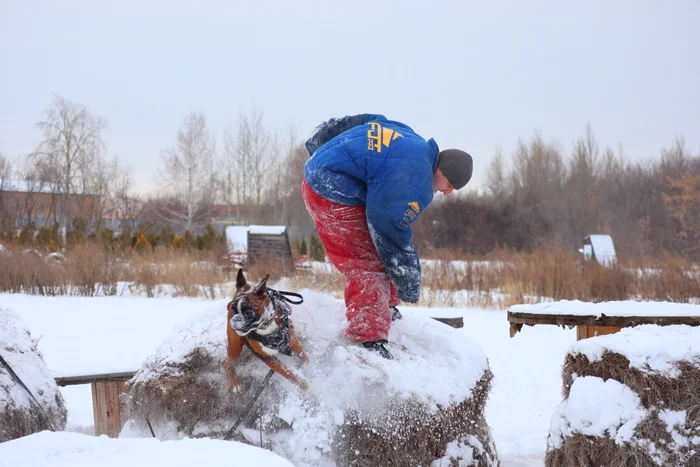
<point>259,288</point>
<point>240,280</point>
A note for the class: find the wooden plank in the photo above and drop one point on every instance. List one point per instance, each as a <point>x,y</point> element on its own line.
<point>585,332</point>
<point>456,322</point>
<point>94,378</point>
<point>108,410</point>
<point>116,412</point>
<point>99,409</point>
<point>603,320</point>
<point>581,332</point>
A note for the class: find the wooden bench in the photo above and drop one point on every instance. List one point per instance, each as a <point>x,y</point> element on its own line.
<point>589,325</point>
<point>107,407</point>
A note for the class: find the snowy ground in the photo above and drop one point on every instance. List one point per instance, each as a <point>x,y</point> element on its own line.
<point>80,334</point>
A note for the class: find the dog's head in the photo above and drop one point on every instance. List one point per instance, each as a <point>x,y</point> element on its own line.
<point>251,307</point>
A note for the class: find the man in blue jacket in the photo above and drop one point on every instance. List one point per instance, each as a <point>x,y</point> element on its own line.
<point>366,181</point>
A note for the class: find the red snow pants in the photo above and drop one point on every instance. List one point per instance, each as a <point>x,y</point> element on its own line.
<point>368,289</point>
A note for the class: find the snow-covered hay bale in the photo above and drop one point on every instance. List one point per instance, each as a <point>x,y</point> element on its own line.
<point>631,398</point>
<point>19,413</point>
<point>424,406</point>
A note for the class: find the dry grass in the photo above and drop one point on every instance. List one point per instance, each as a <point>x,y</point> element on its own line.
<point>449,279</point>
<point>405,434</point>
<point>18,422</point>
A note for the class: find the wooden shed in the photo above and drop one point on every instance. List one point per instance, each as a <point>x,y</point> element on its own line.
<point>260,244</point>
<point>599,248</point>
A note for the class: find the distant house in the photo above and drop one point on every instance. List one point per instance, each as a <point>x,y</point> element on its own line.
<point>28,200</point>
<point>599,248</point>
<point>250,245</point>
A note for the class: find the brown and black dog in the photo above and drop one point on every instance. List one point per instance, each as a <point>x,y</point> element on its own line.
<point>258,318</point>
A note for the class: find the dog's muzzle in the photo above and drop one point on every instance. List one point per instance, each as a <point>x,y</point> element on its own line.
<point>244,320</point>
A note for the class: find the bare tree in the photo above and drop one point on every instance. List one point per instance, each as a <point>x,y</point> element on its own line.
<point>5,171</point>
<point>496,176</point>
<point>5,175</point>
<point>582,196</point>
<point>537,177</point>
<point>293,210</point>
<point>250,166</point>
<point>187,175</point>
<point>119,208</point>
<point>71,148</point>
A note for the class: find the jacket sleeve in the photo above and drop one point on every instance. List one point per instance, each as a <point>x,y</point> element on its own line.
<point>328,130</point>
<point>389,216</point>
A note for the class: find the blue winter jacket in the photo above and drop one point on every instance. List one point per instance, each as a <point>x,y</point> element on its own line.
<point>382,164</point>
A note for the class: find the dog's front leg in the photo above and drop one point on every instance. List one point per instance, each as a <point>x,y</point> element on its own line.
<point>295,345</point>
<point>282,369</point>
<point>233,350</point>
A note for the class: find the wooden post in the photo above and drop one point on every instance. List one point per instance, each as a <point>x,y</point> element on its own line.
<point>584,332</point>
<point>108,410</point>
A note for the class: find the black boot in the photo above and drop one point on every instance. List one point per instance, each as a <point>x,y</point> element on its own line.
<point>395,313</point>
<point>379,347</point>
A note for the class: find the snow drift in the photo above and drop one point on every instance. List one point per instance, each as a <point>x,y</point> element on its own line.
<point>425,406</point>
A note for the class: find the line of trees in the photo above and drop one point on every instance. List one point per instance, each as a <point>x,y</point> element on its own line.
<point>542,196</point>
<point>251,169</point>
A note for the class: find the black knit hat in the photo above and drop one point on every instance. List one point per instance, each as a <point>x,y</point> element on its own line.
<point>456,166</point>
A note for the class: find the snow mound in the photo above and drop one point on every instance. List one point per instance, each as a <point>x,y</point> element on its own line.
<point>19,413</point>
<point>596,408</point>
<point>360,405</point>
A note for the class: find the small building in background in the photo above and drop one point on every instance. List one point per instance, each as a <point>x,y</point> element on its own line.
<point>599,248</point>
<point>43,204</point>
<point>251,245</point>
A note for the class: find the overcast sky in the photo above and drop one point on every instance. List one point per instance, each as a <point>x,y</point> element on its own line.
<point>473,75</point>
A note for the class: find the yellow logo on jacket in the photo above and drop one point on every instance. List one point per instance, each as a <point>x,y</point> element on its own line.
<point>378,137</point>
<point>410,214</point>
<point>413,205</point>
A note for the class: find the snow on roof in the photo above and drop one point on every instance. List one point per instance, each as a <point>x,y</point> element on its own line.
<point>237,235</point>
<point>596,408</point>
<point>237,238</point>
<point>268,229</point>
<point>65,449</point>
<point>649,348</point>
<point>621,308</point>
<point>603,248</point>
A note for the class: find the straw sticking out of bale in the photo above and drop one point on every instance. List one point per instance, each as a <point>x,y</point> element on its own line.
<point>407,434</point>
<point>660,366</point>
<point>676,393</point>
